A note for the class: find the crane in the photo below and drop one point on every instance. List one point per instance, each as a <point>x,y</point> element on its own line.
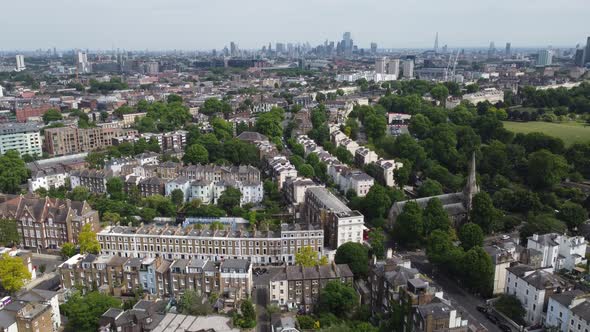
<point>454,62</point>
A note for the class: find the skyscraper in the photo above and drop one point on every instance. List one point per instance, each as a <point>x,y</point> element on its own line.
<point>380,65</point>
<point>83,66</point>
<point>347,44</point>
<point>492,50</point>
<point>507,52</point>
<point>233,49</point>
<point>408,68</point>
<point>393,67</point>
<point>545,58</point>
<point>436,43</point>
<point>579,57</point>
<point>374,48</point>
<point>20,62</point>
<point>587,56</point>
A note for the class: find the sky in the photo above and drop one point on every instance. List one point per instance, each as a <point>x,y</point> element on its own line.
<point>212,24</point>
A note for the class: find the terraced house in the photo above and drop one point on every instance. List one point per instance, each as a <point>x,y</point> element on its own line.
<point>231,279</point>
<point>233,240</point>
<point>47,222</point>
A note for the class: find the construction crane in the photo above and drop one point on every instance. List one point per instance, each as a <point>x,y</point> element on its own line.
<point>454,62</point>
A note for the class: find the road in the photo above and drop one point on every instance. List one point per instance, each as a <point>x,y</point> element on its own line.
<point>465,301</point>
<point>261,298</point>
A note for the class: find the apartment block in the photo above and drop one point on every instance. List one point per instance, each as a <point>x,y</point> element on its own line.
<point>71,140</point>
<point>22,137</point>
<point>339,222</point>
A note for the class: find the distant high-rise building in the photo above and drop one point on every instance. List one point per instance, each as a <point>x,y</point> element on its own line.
<point>380,65</point>
<point>507,52</point>
<point>545,58</point>
<point>83,65</point>
<point>408,68</point>
<point>579,57</point>
<point>492,49</point>
<point>374,48</point>
<point>347,44</point>
<point>587,56</point>
<point>233,49</point>
<point>1,91</point>
<point>436,43</point>
<point>280,47</point>
<point>152,68</point>
<point>20,62</point>
<point>393,67</point>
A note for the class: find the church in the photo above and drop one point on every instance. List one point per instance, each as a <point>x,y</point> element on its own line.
<point>457,205</point>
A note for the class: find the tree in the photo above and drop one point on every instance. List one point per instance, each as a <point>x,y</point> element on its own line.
<point>247,318</point>
<point>115,188</point>
<point>110,218</point>
<point>435,217</point>
<point>344,155</point>
<point>375,126</point>
<point>229,199</point>
<point>439,248</point>
<point>308,257</point>
<point>84,311</point>
<point>87,240</point>
<point>545,169</point>
<point>196,154</point>
<point>79,194</point>
<point>306,170</point>
<point>305,322</point>
<point>52,115</point>
<point>429,188</point>
<point>483,213</point>
<point>174,98</point>
<point>214,105</point>
<point>511,306</point>
<point>573,214</point>
<point>477,270</point>
<point>13,273</point>
<point>191,303</point>
<point>68,250</point>
<point>337,298</point>
<point>470,235</point>
<point>9,232</point>
<point>13,172</point>
<point>376,203</point>
<point>177,197</point>
<point>356,256</point>
<point>377,242</point>
<point>95,160</point>
<point>409,226</point>
<point>440,92</point>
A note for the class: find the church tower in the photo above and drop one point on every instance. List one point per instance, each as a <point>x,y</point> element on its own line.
<point>471,187</point>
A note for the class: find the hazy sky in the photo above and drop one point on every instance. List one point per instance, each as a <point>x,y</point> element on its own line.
<point>198,24</point>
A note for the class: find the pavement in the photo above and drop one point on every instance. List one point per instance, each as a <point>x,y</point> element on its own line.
<point>461,298</point>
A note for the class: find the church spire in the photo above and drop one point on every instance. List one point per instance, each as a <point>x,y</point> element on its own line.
<point>471,187</point>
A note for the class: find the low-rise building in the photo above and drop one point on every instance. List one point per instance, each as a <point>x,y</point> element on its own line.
<point>298,287</point>
<point>94,180</point>
<point>559,309</point>
<point>559,251</point>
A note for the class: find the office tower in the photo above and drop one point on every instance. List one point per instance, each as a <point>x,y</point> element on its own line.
<point>20,62</point>
<point>83,65</point>
<point>152,68</point>
<point>280,47</point>
<point>393,67</point>
<point>347,44</point>
<point>374,48</point>
<point>507,52</point>
<point>1,91</point>
<point>579,57</point>
<point>545,58</point>
<point>436,43</point>
<point>492,50</point>
<point>234,49</point>
<point>408,68</point>
<point>587,53</point>
<point>380,65</point>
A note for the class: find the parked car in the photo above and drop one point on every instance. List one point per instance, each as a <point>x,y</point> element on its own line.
<point>504,327</point>
<point>482,309</point>
<point>492,318</point>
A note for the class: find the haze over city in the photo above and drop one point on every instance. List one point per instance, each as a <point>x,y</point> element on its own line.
<point>190,25</point>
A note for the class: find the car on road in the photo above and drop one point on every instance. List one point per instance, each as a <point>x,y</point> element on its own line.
<point>504,327</point>
<point>492,318</point>
<point>482,309</point>
<point>505,237</point>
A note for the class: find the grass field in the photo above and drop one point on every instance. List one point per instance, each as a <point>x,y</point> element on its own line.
<point>569,132</point>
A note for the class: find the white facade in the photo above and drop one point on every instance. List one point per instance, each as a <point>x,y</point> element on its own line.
<point>22,137</point>
<point>20,62</point>
<point>559,251</point>
<point>350,228</point>
<point>282,169</point>
<point>579,318</point>
<point>209,192</point>
<point>531,297</point>
<point>559,309</point>
<point>388,167</point>
<point>48,180</point>
<point>181,183</point>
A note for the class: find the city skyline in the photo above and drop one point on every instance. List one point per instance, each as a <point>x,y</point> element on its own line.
<point>184,25</point>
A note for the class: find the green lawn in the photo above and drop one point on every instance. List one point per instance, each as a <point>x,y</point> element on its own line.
<point>569,132</point>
